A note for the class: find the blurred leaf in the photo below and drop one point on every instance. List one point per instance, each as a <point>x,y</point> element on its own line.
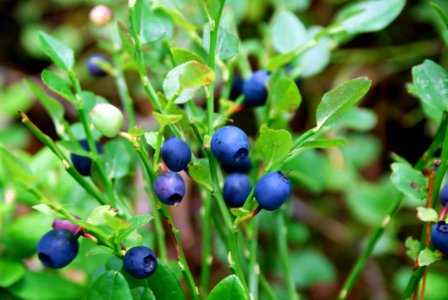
<point>164,119</point>
<point>58,85</point>
<point>409,181</point>
<point>357,118</point>
<point>177,18</point>
<point>442,14</point>
<point>273,145</point>
<point>152,25</point>
<point>369,16</point>
<point>90,100</point>
<point>126,39</point>
<point>430,81</point>
<point>12,271</point>
<point>151,139</point>
<point>98,215</point>
<point>435,283</point>
<point>14,97</point>
<point>287,32</point>
<point>314,268</point>
<point>142,293</point>
<point>17,169</point>
<point>181,56</point>
<point>412,248</point>
<point>226,43</point>
<point>323,143</point>
<point>361,150</point>
<point>16,136</point>
<point>46,210</point>
<point>59,53</point>
<point>284,97</point>
<point>200,173</point>
<point>228,289</point>
<point>184,80</point>
<point>280,60</point>
<point>99,250</point>
<point>427,214</point>
<point>337,101</point>
<point>116,159</point>
<point>163,283</point>
<point>110,286</point>
<point>427,257</point>
<point>136,222</point>
<point>48,286</point>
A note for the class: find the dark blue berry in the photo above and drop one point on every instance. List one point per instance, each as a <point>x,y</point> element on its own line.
<point>176,154</point>
<point>242,166</point>
<point>170,188</point>
<point>237,86</point>
<point>93,67</point>
<point>230,145</point>
<point>140,262</point>
<point>444,195</point>
<point>255,89</point>
<point>57,248</point>
<point>272,190</point>
<point>83,164</point>
<point>439,236</point>
<point>236,188</point>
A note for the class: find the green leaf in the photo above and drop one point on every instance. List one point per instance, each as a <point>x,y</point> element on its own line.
<point>151,139</point>
<point>412,247</point>
<point>46,210</point>
<point>368,16</point>
<point>178,19</point>
<point>163,283</point>
<point>152,25</point>
<point>51,105</point>
<point>99,250</point>
<point>98,215</point>
<point>287,32</point>
<point>136,222</point>
<point>273,145</point>
<point>110,286</point>
<point>441,13</point>
<point>200,173</point>
<point>57,84</point>
<point>184,81</point>
<point>12,271</point>
<point>337,101</point>
<point>164,119</point>
<point>427,257</point>
<point>409,181</point>
<point>323,143</point>
<point>226,43</point>
<point>280,60</point>
<point>117,159</point>
<point>126,39</point>
<point>357,118</point>
<point>427,214</point>
<point>431,81</point>
<point>181,56</point>
<point>230,288</point>
<point>142,293</point>
<point>14,97</point>
<point>48,286</point>
<point>284,97</point>
<point>17,169</point>
<point>59,53</point>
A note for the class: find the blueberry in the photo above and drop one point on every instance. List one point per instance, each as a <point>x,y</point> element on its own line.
<point>93,66</point>
<point>242,166</point>
<point>237,86</point>
<point>230,145</point>
<point>272,190</point>
<point>170,188</point>
<point>83,164</point>
<point>140,262</point>
<point>255,90</point>
<point>444,195</point>
<point>439,236</point>
<point>57,248</point>
<point>236,188</point>
<point>176,154</point>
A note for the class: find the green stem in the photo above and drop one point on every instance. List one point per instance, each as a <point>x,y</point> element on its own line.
<point>123,91</point>
<point>283,248</point>
<point>267,288</point>
<point>207,257</point>
<point>46,140</point>
<point>254,267</point>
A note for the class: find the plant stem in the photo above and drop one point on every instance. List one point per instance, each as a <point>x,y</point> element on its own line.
<point>46,140</point>
<point>254,267</point>
<point>283,248</point>
<point>207,257</point>
<point>267,288</point>
<point>123,91</point>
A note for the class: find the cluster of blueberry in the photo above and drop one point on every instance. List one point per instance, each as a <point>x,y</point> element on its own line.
<point>439,232</point>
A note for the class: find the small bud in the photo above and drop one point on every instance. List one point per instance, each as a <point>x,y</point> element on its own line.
<point>107,119</point>
<point>100,15</point>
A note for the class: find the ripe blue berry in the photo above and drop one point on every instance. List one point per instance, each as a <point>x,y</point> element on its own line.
<point>57,248</point>
<point>170,188</point>
<point>81,163</point>
<point>140,262</point>
<point>237,86</point>
<point>236,188</point>
<point>439,236</point>
<point>255,90</point>
<point>176,154</point>
<point>272,190</point>
<point>242,166</point>
<point>444,195</point>
<point>230,145</point>
<point>93,66</point>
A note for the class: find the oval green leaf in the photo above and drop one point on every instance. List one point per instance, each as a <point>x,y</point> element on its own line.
<point>230,288</point>
<point>60,54</point>
<point>110,286</point>
<point>12,271</point>
<point>287,32</point>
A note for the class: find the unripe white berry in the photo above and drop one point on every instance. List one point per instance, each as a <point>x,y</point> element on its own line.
<point>100,15</point>
<point>107,119</point>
